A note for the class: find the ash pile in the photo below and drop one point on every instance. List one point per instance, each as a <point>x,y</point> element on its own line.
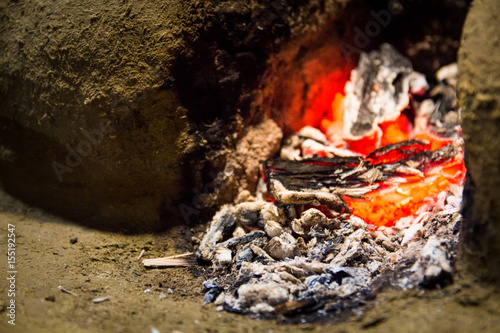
<point>298,247</point>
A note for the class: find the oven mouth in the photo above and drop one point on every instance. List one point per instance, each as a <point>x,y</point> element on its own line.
<point>347,207</point>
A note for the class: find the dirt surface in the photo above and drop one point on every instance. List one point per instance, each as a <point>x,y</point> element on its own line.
<point>51,252</point>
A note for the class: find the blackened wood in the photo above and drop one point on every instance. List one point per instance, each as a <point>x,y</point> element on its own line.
<point>353,173</point>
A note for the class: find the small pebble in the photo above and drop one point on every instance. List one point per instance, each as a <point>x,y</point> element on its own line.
<point>394,258</point>
<point>100,299</point>
<point>210,284</point>
<point>73,240</point>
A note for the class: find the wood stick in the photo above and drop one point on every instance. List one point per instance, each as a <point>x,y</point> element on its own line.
<point>140,255</point>
<point>101,299</point>
<point>178,260</point>
<point>187,254</point>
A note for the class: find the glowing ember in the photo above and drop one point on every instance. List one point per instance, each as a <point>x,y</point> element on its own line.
<point>375,112</point>
<point>384,207</point>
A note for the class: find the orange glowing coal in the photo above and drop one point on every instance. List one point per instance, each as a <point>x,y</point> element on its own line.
<point>385,206</point>
<point>405,195</point>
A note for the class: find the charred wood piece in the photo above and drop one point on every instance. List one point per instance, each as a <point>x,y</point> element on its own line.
<point>323,180</point>
<point>317,198</point>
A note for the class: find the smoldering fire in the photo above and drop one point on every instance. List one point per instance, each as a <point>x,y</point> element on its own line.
<point>373,198</point>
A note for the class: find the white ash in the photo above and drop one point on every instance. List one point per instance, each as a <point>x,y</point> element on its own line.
<point>448,73</point>
<point>319,260</point>
<point>313,133</point>
<point>223,256</point>
<point>281,247</point>
<point>315,198</point>
<point>433,263</point>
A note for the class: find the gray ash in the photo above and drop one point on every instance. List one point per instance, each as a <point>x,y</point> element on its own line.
<point>338,262</point>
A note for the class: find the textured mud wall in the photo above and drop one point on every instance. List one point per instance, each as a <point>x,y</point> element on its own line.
<point>89,127</point>
<point>113,112</point>
<point>479,93</point>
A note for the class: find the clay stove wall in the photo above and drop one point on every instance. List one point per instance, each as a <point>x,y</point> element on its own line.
<point>109,109</point>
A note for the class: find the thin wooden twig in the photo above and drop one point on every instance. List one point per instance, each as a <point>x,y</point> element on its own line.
<point>164,262</point>
<point>187,254</point>
<point>179,260</point>
<point>140,255</point>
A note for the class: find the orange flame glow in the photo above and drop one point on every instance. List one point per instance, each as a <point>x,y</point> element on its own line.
<point>384,207</point>
<point>404,196</point>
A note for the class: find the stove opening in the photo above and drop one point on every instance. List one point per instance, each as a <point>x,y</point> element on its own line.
<point>366,193</point>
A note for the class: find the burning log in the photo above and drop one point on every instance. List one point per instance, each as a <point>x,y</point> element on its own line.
<point>358,174</point>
